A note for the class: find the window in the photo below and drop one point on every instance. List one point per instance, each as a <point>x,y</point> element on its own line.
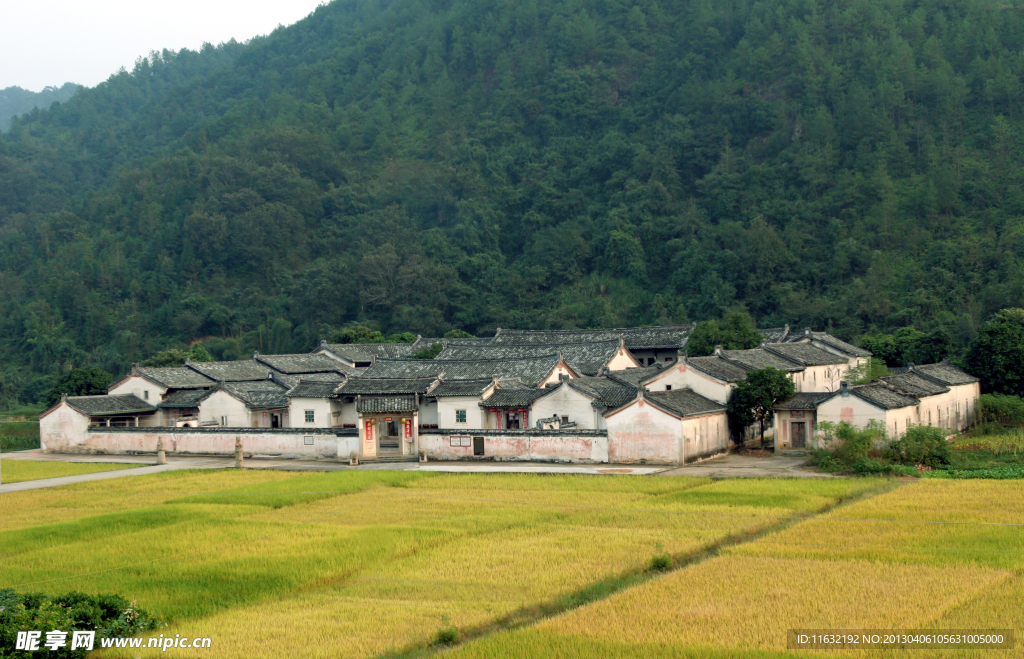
<point>223,421</point>
<point>145,394</point>
<point>565,419</point>
<point>460,416</point>
<point>309,416</point>
<point>668,387</point>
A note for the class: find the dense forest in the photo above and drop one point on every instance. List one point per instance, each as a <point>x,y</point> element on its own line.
<point>15,100</point>
<point>423,165</point>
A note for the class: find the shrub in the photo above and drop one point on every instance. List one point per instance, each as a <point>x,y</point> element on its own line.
<point>447,636</point>
<point>661,563</point>
<point>107,615</point>
<point>921,445</point>
<point>1001,409</point>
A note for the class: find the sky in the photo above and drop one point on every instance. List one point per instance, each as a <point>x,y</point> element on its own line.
<point>50,42</point>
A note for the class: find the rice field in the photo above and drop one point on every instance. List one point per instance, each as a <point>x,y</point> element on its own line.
<point>17,471</point>
<point>928,555</point>
<point>363,563</point>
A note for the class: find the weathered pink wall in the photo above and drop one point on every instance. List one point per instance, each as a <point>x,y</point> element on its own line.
<point>525,446</point>
<point>263,442</point>
<point>642,432</point>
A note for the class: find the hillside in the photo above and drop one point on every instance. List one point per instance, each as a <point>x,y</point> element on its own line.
<point>16,101</point>
<point>423,165</point>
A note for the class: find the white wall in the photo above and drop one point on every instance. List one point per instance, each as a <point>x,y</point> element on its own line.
<point>446,407</point>
<point>138,385</point>
<point>705,435</point>
<point>858,412</point>
<point>62,428</point>
<point>557,374</point>
<point>269,442</point>
<point>220,404</point>
<point>684,375</point>
<point>622,360</point>
<point>349,416</point>
<point>566,401</point>
<point>323,411</point>
<point>640,431</point>
<point>964,398</point>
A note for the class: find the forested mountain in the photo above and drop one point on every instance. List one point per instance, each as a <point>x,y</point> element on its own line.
<point>15,100</point>
<point>428,164</point>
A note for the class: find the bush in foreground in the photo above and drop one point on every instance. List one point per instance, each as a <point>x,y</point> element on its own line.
<point>107,615</point>
<point>867,451</point>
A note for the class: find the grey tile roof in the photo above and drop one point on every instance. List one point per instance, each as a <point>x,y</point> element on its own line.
<point>294,364</point>
<point>513,397</point>
<point>265,399</point>
<point>805,353</point>
<point>184,398</point>
<point>425,342</point>
<point>684,402</point>
<point>756,358</point>
<point>367,385</point>
<point>718,368</point>
<point>585,358</point>
<point>914,384</point>
<point>607,392</point>
<point>109,405</point>
<point>179,377</point>
<point>883,396</point>
<point>259,393</point>
<point>661,337</point>
<point>945,373</point>
<point>449,388</point>
<point>386,404</point>
<point>366,352</point>
<point>803,401</point>
<point>240,371</point>
<point>775,334</point>
<point>312,389</point>
<point>636,375</point>
<point>531,370</point>
<point>829,340</point>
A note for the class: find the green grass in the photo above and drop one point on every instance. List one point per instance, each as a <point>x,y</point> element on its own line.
<point>23,411</point>
<point>362,563</point>
<point>17,471</point>
<point>992,451</point>
<point>19,435</point>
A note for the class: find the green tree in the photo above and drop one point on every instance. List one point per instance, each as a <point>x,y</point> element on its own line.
<point>167,358</point>
<point>894,349</point>
<point>357,334</point>
<point>198,353</point>
<point>429,352</point>
<point>754,399</point>
<point>997,354</point>
<point>85,381</point>
<point>458,334</point>
<point>869,371</point>
<point>734,332</point>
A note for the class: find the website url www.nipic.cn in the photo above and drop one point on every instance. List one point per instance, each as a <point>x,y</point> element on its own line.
<point>78,640</point>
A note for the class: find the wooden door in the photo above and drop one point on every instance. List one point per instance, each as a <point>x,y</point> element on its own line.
<point>799,433</point>
<point>478,446</point>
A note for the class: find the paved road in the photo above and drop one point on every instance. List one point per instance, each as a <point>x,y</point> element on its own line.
<point>744,466</point>
<point>730,466</point>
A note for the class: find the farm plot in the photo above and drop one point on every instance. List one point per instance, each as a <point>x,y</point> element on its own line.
<point>929,555</point>
<point>17,471</point>
<point>361,563</point>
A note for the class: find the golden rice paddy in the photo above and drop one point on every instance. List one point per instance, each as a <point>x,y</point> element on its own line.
<point>935,555</point>
<point>17,471</point>
<point>357,564</point>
